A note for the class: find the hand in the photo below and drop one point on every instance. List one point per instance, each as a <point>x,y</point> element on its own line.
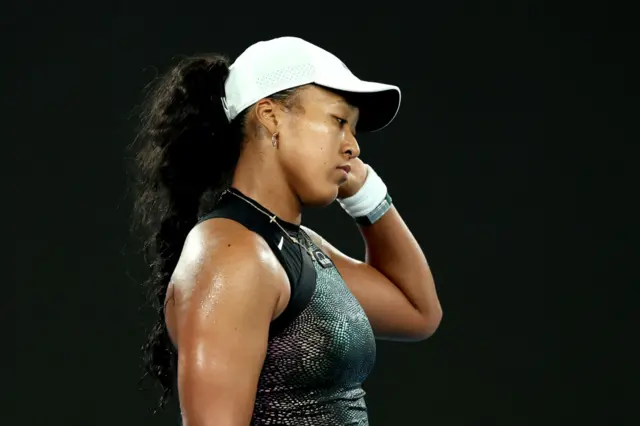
<point>355,180</point>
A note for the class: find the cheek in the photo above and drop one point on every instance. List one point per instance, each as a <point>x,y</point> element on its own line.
<point>312,148</point>
<point>311,142</point>
<point>318,128</point>
<point>320,139</point>
<point>309,163</point>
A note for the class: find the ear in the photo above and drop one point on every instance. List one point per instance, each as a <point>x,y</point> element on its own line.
<point>268,114</point>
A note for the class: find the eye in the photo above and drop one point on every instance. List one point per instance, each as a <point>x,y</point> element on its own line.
<point>341,121</point>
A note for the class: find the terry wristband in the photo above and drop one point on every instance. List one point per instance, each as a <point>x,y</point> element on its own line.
<point>370,203</point>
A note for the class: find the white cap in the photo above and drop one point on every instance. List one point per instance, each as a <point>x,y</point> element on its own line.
<point>268,67</point>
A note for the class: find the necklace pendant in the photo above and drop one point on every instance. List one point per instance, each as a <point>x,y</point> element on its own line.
<point>295,240</point>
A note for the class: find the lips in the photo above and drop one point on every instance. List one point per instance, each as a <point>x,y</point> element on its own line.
<point>345,167</point>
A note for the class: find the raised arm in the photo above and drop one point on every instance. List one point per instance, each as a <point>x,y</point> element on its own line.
<point>227,288</point>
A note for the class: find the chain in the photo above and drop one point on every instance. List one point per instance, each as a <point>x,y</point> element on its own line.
<point>273,219</point>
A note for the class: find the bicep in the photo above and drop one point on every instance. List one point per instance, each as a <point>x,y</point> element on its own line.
<point>223,327</point>
<point>391,314</point>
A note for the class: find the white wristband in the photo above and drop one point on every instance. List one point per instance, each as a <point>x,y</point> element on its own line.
<point>367,198</point>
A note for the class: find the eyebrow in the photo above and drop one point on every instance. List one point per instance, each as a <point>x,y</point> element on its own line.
<point>354,109</point>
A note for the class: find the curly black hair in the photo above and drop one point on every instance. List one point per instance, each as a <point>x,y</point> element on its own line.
<point>185,155</point>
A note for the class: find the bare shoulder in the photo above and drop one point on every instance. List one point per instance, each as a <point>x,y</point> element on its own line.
<point>227,288</point>
<point>222,261</point>
<point>224,245</point>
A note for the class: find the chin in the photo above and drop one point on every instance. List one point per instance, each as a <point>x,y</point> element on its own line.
<point>320,197</point>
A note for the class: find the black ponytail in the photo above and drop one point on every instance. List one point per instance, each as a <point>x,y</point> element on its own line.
<point>186,154</point>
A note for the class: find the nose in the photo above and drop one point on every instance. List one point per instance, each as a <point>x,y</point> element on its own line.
<point>351,148</point>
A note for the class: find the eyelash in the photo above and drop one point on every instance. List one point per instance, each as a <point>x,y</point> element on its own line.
<point>342,121</point>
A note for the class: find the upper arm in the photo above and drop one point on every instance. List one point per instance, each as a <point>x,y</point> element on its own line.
<point>227,289</point>
<point>391,314</point>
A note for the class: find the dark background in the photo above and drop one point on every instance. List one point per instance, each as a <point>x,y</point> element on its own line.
<point>509,144</point>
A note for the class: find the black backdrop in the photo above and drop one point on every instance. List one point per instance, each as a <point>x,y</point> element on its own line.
<point>490,96</point>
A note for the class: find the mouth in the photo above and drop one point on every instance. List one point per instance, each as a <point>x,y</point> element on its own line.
<point>345,167</point>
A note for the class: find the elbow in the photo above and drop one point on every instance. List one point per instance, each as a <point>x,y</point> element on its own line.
<point>434,322</point>
<point>420,329</point>
<point>430,324</point>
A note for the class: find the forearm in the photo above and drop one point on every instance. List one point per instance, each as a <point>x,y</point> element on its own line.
<point>392,250</point>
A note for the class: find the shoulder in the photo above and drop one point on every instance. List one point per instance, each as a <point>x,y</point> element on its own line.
<point>222,252</point>
<point>224,238</point>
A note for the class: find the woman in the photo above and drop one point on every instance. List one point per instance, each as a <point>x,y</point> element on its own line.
<point>260,319</point>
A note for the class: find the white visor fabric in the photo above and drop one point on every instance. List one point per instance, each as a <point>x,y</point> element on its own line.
<point>268,67</point>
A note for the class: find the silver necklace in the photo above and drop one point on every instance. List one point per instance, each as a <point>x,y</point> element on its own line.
<point>274,219</point>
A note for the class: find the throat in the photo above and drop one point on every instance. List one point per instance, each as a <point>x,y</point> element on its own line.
<point>284,207</point>
<point>262,180</point>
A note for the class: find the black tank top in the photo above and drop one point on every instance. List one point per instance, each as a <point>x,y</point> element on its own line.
<point>321,348</point>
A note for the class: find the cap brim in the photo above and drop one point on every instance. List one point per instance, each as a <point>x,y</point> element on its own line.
<point>378,103</point>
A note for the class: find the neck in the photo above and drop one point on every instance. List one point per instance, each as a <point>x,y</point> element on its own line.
<point>264,182</point>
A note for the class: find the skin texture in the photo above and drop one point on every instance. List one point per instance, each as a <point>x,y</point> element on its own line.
<point>312,141</point>
<point>229,286</point>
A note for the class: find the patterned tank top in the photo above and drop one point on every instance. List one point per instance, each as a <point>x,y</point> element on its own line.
<point>322,347</point>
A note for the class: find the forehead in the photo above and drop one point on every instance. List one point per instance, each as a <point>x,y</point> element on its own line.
<point>320,96</point>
